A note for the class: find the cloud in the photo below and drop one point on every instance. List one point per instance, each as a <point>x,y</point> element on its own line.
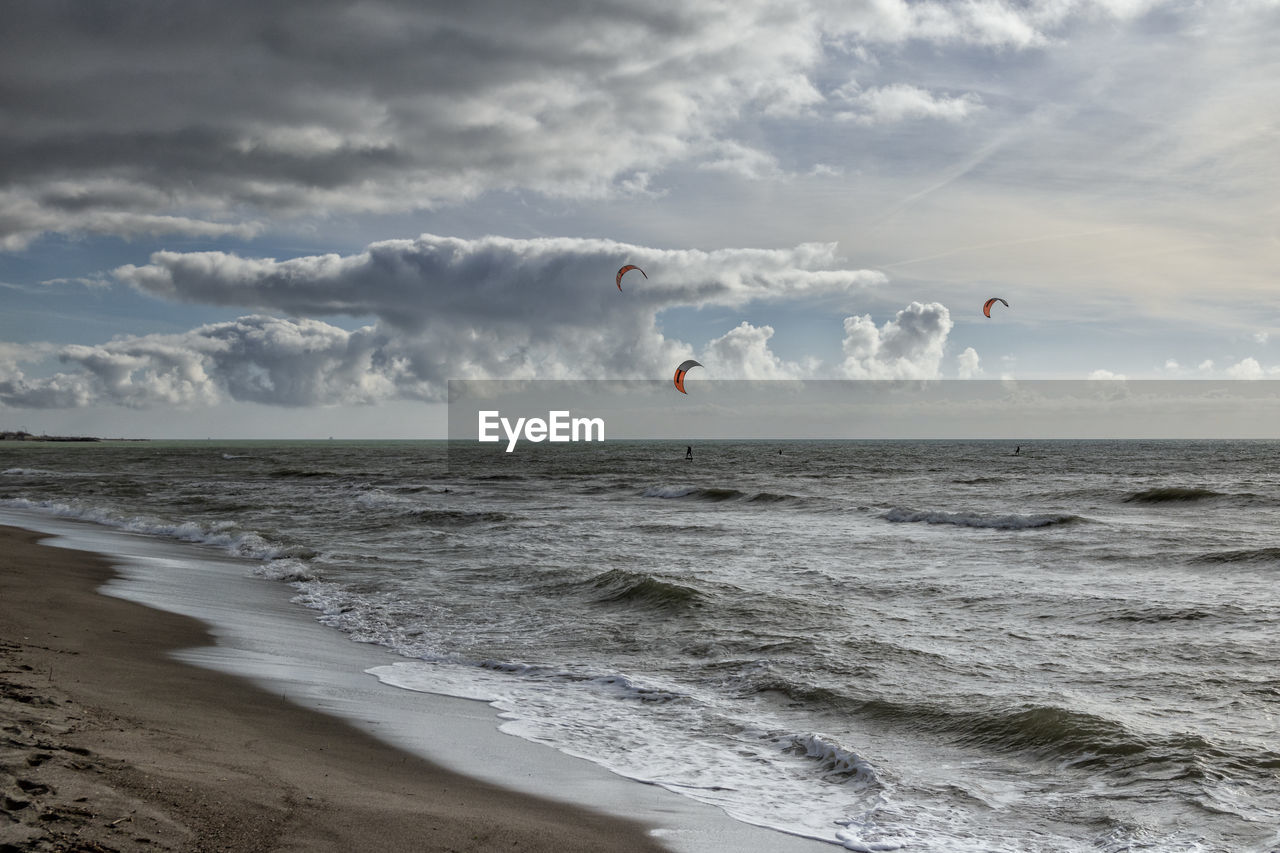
<point>508,308</point>
<point>967,364</point>
<point>738,159</point>
<point>382,106</point>
<point>910,346</point>
<point>978,23</point>
<point>1246,368</point>
<point>255,359</point>
<point>302,362</point>
<point>901,102</point>
<point>445,308</point>
<point>155,122</point>
<point>538,285</point>
<point>1106,375</point>
<point>743,353</point>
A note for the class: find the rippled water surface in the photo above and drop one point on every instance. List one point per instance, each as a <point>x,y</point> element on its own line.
<point>935,646</point>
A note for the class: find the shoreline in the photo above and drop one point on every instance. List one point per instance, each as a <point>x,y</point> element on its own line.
<point>110,743</point>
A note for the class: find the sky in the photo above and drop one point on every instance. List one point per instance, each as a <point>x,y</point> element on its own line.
<point>302,219</point>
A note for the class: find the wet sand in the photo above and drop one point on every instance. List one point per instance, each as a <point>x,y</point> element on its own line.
<point>106,743</point>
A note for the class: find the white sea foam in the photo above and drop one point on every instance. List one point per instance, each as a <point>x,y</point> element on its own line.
<point>217,534</point>
<point>669,491</point>
<point>808,778</point>
<point>379,498</point>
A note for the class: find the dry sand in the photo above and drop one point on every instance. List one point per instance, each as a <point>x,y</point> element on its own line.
<point>107,744</point>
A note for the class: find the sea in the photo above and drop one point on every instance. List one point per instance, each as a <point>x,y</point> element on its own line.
<point>1057,647</point>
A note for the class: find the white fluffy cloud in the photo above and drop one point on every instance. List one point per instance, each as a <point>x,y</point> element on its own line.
<point>256,359</point>
<point>910,346</point>
<point>448,308</point>
<point>901,102</point>
<point>499,307</point>
<point>1246,368</point>
<point>967,364</point>
<point>743,353</point>
<point>263,359</point>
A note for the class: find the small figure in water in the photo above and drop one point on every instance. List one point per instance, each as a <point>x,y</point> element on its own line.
<point>688,453</point>
<point>1017,450</point>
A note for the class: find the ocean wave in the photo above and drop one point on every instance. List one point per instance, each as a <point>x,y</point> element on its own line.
<point>220,535</point>
<point>1045,731</point>
<point>716,494</point>
<point>834,762</point>
<point>1244,555</point>
<point>30,472</point>
<point>695,492</point>
<point>681,529</point>
<point>300,473</point>
<point>970,519</point>
<point>457,517</point>
<point>622,687</point>
<point>398,507</point>
<point>285,569</point>
<point>379,498</point>
<point>1176,494</point>
<point>620,586</point>
<point>607,488</point>
<point>814,696</point>
<point>1155,614</point>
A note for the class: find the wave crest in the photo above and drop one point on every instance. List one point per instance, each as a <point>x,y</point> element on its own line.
<point>620,586</point>
<point>716,494</point>
<point>973,519</point>
<point>1173,494</point>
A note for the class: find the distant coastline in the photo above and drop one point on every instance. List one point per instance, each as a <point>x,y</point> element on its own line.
<point>21,435</point>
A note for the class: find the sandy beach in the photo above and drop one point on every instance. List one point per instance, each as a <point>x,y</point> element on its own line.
<point>109,744</point>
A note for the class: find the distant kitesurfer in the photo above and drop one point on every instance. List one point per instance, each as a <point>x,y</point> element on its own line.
<point>688,453</point>
<point>1017,450</point>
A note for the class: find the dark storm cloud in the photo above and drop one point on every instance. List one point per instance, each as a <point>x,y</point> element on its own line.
<point>225,113</point>
<point>384,105</point>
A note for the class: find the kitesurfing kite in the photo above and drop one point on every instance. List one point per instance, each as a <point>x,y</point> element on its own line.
<point>626,270</point>
<point>681,371</point>
<point>986,308</point>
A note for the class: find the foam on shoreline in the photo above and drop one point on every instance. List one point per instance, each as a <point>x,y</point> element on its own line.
<point>261,635</point>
